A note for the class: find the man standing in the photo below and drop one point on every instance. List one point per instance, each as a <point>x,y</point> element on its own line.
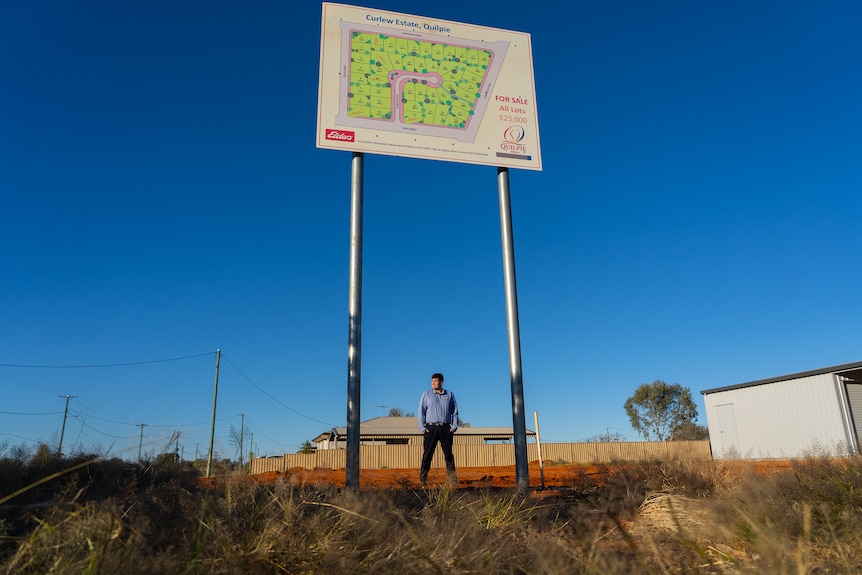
<point>438,419</point>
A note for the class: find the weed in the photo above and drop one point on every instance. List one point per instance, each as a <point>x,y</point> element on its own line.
<point>78,515</point>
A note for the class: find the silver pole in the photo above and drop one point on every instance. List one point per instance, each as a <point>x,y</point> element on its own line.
<point>212,429</point>
<point>519,423</point>
<point>354,335</point>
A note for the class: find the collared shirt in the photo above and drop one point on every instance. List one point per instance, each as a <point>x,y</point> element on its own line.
<point>438,408</point>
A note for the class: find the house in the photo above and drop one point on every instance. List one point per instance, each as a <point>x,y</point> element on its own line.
<point>812,412</point>
<point>393,430</point>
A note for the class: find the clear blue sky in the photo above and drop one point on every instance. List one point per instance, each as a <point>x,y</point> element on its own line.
<point>696,221</point>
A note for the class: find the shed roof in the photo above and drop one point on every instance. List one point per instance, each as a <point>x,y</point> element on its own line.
<point>852,371</point>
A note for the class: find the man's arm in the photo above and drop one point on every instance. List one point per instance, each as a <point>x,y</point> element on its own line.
<point>420,411</point>
<point>454,424</point>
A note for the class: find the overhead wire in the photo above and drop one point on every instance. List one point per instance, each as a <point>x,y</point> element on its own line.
<point>40,413</point>
<point>82,414</point>
<point>265,436</point>
<point>105,364</point>
<point>272,397</point>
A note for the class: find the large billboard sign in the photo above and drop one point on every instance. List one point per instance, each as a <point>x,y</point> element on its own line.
<point>404,85</point>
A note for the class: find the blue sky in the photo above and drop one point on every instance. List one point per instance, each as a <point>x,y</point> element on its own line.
<point>695,221</point>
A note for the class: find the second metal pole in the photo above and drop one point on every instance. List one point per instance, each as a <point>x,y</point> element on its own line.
<point>519,422</point>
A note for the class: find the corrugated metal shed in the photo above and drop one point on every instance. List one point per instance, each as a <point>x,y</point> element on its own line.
<point>812,412</point>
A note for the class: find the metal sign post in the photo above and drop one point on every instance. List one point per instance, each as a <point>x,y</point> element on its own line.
<point>519,422</point>
<point>354,331</point>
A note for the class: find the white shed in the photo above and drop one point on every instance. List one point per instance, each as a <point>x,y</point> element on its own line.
<point>818,411</point>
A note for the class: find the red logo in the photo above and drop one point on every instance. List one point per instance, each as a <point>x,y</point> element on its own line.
<point>340,135</point>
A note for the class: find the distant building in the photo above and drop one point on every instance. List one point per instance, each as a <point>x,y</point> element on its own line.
<point>818,411</point>
<point>405,431</point>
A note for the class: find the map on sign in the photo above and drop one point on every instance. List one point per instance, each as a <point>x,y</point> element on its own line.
<point>430,85</point>
<point>420,87</point>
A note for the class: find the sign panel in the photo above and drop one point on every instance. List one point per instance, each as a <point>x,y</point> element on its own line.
<point>420,87</point>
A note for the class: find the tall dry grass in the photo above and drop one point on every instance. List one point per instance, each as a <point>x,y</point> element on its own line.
<point>111,517</point>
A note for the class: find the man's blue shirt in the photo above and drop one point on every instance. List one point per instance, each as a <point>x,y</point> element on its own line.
<point>438,408</point>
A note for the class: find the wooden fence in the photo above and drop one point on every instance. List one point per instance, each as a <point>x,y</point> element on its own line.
<point>408,456</point>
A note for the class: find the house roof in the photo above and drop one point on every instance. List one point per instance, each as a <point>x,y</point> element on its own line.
<point>389,426</point>
<point>852,371</point>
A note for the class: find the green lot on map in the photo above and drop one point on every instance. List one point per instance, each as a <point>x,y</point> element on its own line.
<point>424,82</point>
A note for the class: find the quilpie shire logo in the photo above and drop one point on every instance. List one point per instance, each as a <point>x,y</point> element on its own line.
<point>512,138</point>
<point>340,135</point>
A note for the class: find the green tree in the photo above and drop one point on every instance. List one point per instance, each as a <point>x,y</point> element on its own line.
<point>658,409</point>
<point>606,437</point>
<point>690,431</point>
<point>306,447</point>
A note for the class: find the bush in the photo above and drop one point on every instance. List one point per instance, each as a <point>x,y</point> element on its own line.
<point>658,517</point>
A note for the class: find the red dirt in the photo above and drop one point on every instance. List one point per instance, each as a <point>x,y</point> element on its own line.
<point>554,475</point>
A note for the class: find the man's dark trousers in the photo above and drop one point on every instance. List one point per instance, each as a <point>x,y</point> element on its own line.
<point>433,435</point>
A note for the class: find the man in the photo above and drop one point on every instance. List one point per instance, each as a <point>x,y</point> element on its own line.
<point>438,419</point>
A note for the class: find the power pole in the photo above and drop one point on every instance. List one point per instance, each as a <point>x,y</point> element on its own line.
<point>212,429</point>
<point>63,429</point>
<point>141,441</point>
<point>241,428</point>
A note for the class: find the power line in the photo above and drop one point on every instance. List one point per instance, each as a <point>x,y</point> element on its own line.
<point>272,397</point>
<point>88,426</point>
<point>253,426</point>
<point>21,413</point>
<point>88,415</point>
<point>104,364</point>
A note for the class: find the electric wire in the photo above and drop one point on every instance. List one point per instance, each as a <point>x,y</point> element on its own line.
<point>272,397</point>
<point>81,415</point>
<point>265,436</point>
<point>22,413</point>
<point>105,364</point>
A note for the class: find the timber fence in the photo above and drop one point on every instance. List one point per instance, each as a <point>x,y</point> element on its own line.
<point>408,456</point>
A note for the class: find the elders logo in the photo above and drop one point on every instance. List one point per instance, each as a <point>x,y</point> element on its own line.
<point>340,135</point>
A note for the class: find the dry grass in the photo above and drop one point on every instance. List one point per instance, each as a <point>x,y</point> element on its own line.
<point>654,518</point>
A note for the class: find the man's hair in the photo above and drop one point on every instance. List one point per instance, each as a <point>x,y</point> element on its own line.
<point>437,376</point>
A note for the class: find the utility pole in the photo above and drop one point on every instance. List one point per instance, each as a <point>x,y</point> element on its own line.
<point>141,441</point>
<point>241,428</point>
<point>63,429</point>
<point>196,450</point>
<point>212,429</point>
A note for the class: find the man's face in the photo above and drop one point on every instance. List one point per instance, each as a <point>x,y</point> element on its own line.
<point>436,384</point>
